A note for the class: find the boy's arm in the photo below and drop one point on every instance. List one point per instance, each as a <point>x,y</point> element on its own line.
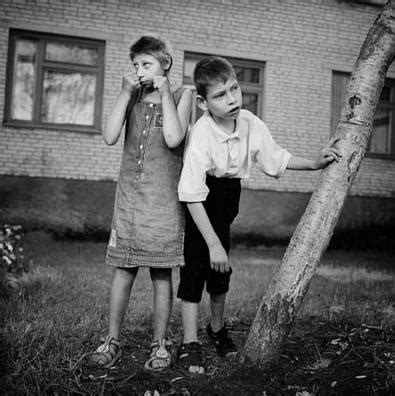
<point>116,118</point>
<point>327,155</point>
<point>175,119</point>
<point>218,257</point>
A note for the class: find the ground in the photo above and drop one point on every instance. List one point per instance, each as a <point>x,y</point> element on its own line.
<point>342,342</point>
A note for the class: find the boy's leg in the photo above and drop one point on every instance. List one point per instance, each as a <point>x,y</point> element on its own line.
<point>122,283</point>
<point>190,313</point>
<point>162,300</point>
<point>217,305</point>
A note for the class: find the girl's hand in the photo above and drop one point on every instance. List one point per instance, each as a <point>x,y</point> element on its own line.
<point>328,154</point>
<point>130,82</point>
<point>218,258</point>
<point>161,83</point>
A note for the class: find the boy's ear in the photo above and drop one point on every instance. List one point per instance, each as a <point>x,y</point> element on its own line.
<point>201,102</point>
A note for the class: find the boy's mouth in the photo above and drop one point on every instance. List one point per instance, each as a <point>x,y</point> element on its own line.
<point>234,110</point>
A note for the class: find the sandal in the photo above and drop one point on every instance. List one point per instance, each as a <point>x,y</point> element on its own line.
<point>190,357</point>
<point>108,353</point>
<point>160,357</point>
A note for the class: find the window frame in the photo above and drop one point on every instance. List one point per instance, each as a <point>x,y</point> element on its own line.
<point>389,82</point>
<point>43,65</point>
<point>254,88</point>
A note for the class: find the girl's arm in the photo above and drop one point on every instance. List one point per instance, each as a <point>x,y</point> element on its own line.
<point>218,257</point>
<point>116,118</point>
<point>175,119</point>
<point>326,156</point>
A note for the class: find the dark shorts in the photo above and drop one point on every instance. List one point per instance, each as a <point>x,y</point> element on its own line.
<point>222,206</point>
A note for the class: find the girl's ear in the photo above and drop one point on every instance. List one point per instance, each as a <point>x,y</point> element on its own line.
<point>201,102</point>
<point>167,63</point>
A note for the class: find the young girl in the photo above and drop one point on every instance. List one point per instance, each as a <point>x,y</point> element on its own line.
<point>147,227</point>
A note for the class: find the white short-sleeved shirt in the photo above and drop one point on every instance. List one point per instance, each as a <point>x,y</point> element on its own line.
<point>212,151</point>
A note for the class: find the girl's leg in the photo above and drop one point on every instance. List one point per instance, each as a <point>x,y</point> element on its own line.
<point>163,300</point>
<point>107,354</point>
<point>122,283</point>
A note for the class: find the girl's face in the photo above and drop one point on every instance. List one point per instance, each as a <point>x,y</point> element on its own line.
<point>147,67</point>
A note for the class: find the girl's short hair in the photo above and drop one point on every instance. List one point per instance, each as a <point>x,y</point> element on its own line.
<point>155,46</point>
<point>211,69</point>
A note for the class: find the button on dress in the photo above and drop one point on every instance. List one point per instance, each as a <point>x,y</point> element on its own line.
<point>148,222</point>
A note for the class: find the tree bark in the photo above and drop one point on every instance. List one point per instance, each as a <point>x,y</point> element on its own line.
<point>279,306</point>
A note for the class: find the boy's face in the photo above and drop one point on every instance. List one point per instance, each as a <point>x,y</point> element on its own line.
<point>223,100</point>
<point>147,67</point>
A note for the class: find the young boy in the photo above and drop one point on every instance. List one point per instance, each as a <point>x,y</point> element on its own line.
<point>222,147</point>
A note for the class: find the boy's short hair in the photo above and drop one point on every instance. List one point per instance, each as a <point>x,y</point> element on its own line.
<point>209,70</point>
<point>155,46</point>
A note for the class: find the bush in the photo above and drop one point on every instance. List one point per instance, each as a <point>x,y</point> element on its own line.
<point>12,260</point>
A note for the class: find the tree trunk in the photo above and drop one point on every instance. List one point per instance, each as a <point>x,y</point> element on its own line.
<point>279,306</point>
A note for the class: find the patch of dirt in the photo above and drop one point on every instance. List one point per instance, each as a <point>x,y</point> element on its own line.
<point>316,359</point>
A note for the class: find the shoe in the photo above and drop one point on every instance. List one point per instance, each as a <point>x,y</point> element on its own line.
<point>190,357</point>
<point>107,354</point>
<point>223,343</point>
<point>160,357</point>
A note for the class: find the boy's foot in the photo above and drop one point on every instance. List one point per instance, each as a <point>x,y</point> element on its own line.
<point>190,357</point>
<point>223,343</point>
<point>108,353</point>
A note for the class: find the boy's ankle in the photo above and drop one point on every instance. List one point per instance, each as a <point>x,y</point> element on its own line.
<point>216,327</point>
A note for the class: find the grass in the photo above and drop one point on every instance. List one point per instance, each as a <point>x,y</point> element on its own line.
<point>344,329</point>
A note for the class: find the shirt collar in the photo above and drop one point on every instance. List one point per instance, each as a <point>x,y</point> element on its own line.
<point>219,133</point>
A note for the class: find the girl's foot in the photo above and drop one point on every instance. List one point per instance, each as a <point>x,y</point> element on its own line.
<point>190,357</point>
<point>108,353</point>
<point>160,357</point>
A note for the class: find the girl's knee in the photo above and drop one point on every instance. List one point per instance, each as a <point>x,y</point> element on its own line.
<point>125,273</point>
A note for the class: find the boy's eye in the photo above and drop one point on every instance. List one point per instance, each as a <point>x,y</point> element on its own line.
<point>235,87</point>
<point>220,95</point>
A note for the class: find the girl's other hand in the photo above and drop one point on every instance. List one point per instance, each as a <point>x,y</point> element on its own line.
<point>130,82</point>
<point>161,83</point>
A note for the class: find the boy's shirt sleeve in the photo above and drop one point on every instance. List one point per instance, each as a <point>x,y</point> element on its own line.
<point>270,157</point>
<point>192,186</point>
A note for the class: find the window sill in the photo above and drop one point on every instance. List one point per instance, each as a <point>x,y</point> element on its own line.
<point>53,127</point>
<point>380,156</point>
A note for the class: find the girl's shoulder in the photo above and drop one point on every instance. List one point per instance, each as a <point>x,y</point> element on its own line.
<point>178,91</point>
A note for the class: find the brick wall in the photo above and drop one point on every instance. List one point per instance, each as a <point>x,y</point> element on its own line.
<point>301,42</point>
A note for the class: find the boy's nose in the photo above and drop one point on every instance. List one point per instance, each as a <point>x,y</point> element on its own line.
<point>231,98</point>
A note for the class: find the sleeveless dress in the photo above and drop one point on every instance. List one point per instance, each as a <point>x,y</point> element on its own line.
<point>148,222</point>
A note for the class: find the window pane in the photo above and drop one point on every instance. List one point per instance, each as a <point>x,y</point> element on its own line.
<point>380,140</point>
<point>250,102</point>
<point>247,74</point>
<point>70,53</point>
<point>385,94</point>
<point>68,98</point>
<point>189,67</point>
<point>24,80</point>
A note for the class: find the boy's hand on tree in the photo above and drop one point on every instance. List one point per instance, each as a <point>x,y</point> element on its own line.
<point>328,154</point>
<point>130,82</point>
<point>161,83</point>
<point>219,259</point>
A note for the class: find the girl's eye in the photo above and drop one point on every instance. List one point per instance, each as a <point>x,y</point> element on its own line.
<point>235,87</point>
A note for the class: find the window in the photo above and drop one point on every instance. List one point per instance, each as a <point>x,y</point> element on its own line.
<point>54,81</point>
<point>382,141</point>
<point>249,74</point>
